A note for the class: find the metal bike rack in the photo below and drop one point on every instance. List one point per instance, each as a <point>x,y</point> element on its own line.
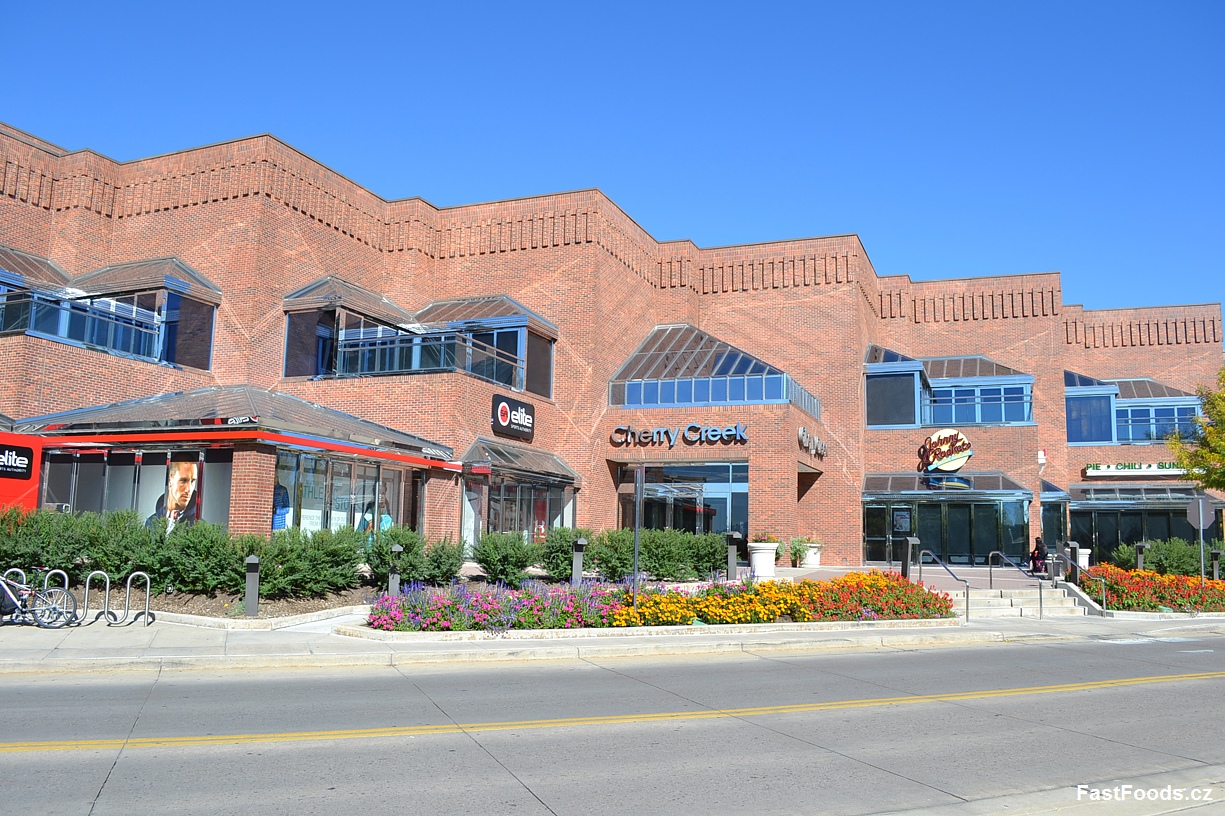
<point>59,572</point>
<point>127,600</point>
<point>16,571</point>
<point>105,612</point>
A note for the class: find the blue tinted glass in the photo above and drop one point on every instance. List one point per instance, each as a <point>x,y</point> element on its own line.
<point>718,389</point>
<point>633,393</point>
<point>740,474</point>
<point>735,389</point>
<point>1165,422</point>
<point>1089,419</point>
<point>701,390</point>
<point>774,387</point>
<point>1141,424</point>
<point>667,392</point>
<point>942,406</point>
<point>1186,422</point>
<point>726,363</point>
<point>1123,431</point>
<point>1015,405</point>
<point>754,389</point>
<point>650,392</point>
<point>965,409</point>
<point>992,409</point>
<point>742,365</point>
<point>684,391</point>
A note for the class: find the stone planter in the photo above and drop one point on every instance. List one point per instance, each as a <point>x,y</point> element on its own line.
<point>812,559</point>
<point>761,559</point>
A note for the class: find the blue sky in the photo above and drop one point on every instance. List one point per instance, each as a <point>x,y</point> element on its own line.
<point>957,139</point>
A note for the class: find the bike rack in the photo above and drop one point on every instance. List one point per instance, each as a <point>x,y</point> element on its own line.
<point>59,572</point>
<point>127,600</point>
<point>17,571</point>
<point>105,612</point>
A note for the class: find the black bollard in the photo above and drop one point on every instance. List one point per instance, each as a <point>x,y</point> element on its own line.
<point>251,605</point>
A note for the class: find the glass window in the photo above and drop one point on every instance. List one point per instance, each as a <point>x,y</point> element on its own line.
<point>701,390</point>
<point>287,477</point>
<point>735,389</point>
<point>650,392</point>
<point>90,479</point>
<point>992,407</point>
<point>1016,404</point>
<point>667,392</point>
<point>718,390</point>
<point>341,513</point>
<point>1089,419</point>
<point>312,490</point>
<point>774,387</point>
<point>633,393</point>
<point>684,392</point>
<point>188,332</point>
<point>891,399</point>
<point>965,406</point>
<point>121,481</point>
<point>539,365</point>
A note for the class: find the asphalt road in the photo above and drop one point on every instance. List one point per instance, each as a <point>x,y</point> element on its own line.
<point>954,730</point>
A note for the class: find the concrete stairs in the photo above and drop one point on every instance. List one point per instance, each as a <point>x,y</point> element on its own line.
<point>1013,603</point>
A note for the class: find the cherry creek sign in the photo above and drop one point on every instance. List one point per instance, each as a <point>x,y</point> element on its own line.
<point>946,450</point>
<point>511,417</point>
<point>691,434</point>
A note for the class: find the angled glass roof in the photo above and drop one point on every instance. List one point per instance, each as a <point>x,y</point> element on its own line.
<point>331,292</point>
<point>681,351</point>
<point>1073,380</point>
<point>1053,492</point>
<point>158,273</point>
<point>230,407</point>
<point>947,368</point>
<point>880,354</point>
<point>1144,388</point>
<point>484,312</point>
<point>503,456</point>
<point>28,271</point>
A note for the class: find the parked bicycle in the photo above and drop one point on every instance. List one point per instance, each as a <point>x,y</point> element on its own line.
<point>50,607</point>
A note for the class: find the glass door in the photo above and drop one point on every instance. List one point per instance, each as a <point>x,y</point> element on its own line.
<point>875,532</point>
<point>958,536</point>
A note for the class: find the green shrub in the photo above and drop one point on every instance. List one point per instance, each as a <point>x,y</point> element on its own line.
<point>1172,557</point>
<point>707,553</point>
<point>664,554</point>
<point>443,560</point>
<point>504,557</point>
<point>1124,557</point>
<point>296,564</point>
<point>200,557</point>
<point>557,556</point>
<point>612,553</point>
<point>411,561</point>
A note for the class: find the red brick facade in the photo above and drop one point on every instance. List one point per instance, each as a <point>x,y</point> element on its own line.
<point>260,220</point>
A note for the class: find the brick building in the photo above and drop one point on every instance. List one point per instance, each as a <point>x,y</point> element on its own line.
<point>315,355</point>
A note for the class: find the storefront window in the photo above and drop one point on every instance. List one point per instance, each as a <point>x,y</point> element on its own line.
<point>342,496</point>
<point>286,477</point>
<point>1090,420</point>
<point>698,498</point>
<point>312,474</point>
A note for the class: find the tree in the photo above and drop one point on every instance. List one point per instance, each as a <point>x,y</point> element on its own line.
<point>1203,456</point>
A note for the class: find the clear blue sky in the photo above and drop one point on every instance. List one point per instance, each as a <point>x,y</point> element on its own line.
<point>956,139</point>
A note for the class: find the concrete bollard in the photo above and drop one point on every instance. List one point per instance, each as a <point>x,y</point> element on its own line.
<point>1216,565</point>
<point>1140,548</point>
<point>393,575</point>
<point>733,555</point>
<point>576,567</point>
<point>251,604</point>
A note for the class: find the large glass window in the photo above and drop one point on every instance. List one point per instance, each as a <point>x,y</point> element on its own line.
<point>980,404</point>
<point>891,399</point>
<point>1090,419</point>
<point>698,498</point>
<point>1154,422</point>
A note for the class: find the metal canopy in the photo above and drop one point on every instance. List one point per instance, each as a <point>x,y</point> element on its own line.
<point>682,351</point>
<point>159,273</point>
<point>501,456</point>
<point>227,408</point>
<point>946,487</point>
<point>1138,496</point>
<point>1054,493</point>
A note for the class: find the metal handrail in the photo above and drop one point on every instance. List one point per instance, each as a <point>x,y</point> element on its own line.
<point>991,576</point>
<point>1078,570</point>
<point>936,558</point>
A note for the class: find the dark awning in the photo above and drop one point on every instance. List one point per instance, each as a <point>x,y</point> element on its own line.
<point>952,487</point>
<point>521,461</point>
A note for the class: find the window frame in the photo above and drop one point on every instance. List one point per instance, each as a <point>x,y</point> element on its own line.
<point>977,384</point>
<point>922,390</point>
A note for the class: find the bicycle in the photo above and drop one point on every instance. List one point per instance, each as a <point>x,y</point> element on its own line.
<point>49,608</point>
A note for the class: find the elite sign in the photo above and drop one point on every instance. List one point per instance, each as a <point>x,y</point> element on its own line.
<point>513,418</point>
<point>15,462</point>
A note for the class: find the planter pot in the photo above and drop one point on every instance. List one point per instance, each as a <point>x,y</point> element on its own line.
<point>812,559</point>
<point>761,559</point>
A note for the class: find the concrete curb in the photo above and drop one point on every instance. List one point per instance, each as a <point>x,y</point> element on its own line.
<point>258,624</point>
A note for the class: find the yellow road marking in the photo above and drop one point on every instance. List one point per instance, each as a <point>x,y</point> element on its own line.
<point>578,722</point>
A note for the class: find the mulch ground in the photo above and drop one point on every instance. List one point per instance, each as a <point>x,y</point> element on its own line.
<point>225,606</point>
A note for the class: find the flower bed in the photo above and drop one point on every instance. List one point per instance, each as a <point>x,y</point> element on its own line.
<point>1144,591</point>
<point>856,596</point>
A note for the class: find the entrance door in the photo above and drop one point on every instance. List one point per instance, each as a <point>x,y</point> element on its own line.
<point>875,532</point>
<point>958,534</point>
<point>986,532</point>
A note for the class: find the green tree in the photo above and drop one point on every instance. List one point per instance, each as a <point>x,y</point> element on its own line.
<point>1203,456</point>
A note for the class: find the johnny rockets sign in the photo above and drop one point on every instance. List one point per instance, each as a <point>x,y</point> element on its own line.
<point>946,450</point>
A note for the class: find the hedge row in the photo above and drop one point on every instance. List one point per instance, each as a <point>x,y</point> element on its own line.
<point>205,558</point>
<point>1173,557</point>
